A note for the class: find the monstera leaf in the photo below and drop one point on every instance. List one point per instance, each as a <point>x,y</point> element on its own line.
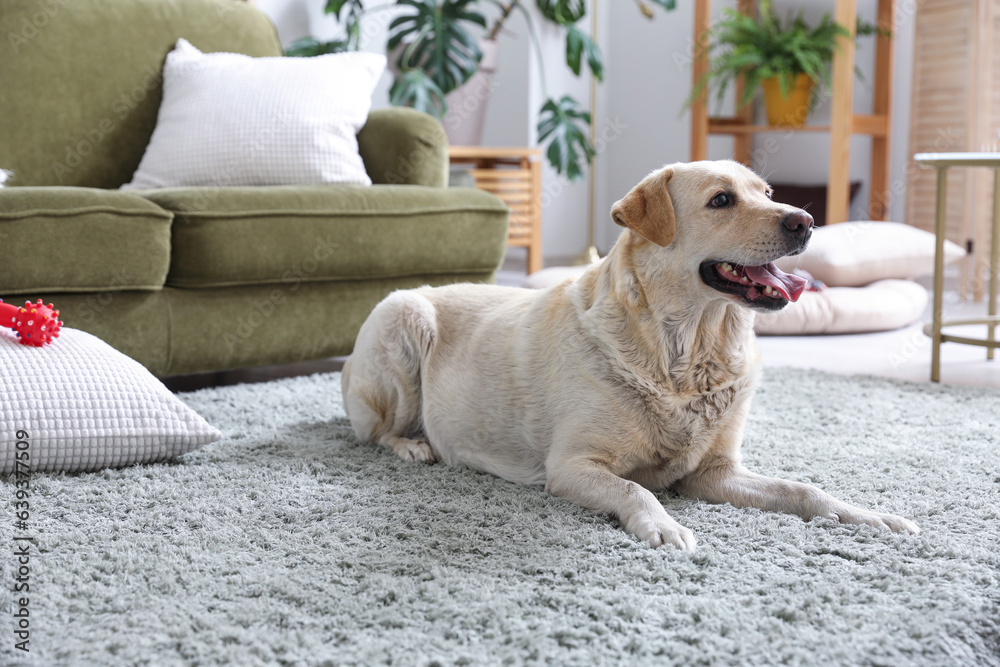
<point>336,6</point>
<point>579,43</point>
<point>562,123</point>
<point>413,88</point>
<point>436,40</point>
<point>563,12</point>
<point>352,22</point>
<point>309,46</point>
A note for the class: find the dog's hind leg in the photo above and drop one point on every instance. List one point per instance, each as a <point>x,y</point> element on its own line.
<point>381,379</point>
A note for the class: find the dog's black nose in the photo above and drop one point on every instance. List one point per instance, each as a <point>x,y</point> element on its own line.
<point>798,222</point>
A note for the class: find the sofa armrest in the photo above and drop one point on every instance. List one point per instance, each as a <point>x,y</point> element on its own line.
<point>403,146</point>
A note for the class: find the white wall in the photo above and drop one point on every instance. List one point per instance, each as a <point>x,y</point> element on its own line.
<point>649,77</point>
<point>640,127</point>
<point>302,18</point>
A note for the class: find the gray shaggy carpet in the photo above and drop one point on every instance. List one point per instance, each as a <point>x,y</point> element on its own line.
<point>291,543</point>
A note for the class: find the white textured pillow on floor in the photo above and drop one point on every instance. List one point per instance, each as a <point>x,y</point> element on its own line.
<point>852,254</point>
<point>84,406</point>
<point>882,306</point>
<point>227,119</point>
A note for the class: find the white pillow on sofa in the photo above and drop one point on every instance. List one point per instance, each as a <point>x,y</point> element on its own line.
<point>852,254</point>
<point>79,404</point>
<point>228,119</point>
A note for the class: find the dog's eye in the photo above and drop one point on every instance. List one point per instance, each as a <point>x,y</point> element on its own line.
<point>769,194</point>
<point>721,200</point>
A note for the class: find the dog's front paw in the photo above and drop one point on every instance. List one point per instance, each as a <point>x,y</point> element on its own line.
<point>413,450</point>
<point>856,515</point>
<point>658,531</point>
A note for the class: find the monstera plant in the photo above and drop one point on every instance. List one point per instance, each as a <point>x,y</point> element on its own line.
<point>436,48</point>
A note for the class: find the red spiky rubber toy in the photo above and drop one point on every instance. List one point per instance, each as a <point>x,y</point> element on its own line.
<point>35,324</point>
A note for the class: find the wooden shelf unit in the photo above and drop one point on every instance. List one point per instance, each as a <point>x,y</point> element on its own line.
<point>843,122</point>
<point>515,176</point>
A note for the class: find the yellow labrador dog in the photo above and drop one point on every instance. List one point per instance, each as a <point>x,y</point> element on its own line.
<point>634,378</point>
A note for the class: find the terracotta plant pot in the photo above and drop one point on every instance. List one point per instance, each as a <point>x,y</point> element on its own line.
<point>790,111</point>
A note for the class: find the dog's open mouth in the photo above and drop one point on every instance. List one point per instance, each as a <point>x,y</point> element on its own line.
<point>764,287</point>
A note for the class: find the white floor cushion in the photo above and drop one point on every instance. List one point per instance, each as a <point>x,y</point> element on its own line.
<point>881,306</point>
<point>79,404</point>
<point>854,254</point>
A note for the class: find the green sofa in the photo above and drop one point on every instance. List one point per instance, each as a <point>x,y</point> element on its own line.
<point>189,280</point>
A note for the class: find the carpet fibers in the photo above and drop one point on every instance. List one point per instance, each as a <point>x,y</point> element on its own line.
<point>291,543</point>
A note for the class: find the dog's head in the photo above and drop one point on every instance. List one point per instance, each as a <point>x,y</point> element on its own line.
<point>715,228</point>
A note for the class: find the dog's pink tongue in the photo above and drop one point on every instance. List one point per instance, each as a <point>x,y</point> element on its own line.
<point>790,287</point>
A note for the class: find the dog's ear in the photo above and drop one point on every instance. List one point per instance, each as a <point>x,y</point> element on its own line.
<point>647,208</point>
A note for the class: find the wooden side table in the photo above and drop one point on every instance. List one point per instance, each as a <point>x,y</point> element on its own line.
<point>941,162</point>
<point>515,176</point>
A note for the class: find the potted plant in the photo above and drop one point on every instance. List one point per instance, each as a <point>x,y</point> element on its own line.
<point>436,46</point>
<point>789,60</point>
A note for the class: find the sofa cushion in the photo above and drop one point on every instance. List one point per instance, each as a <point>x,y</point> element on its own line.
<point>298,234</point>
<point>58,239</point>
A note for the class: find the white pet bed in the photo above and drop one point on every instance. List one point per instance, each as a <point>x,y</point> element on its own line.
<point>862,262</point>
<point>881,306</point>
